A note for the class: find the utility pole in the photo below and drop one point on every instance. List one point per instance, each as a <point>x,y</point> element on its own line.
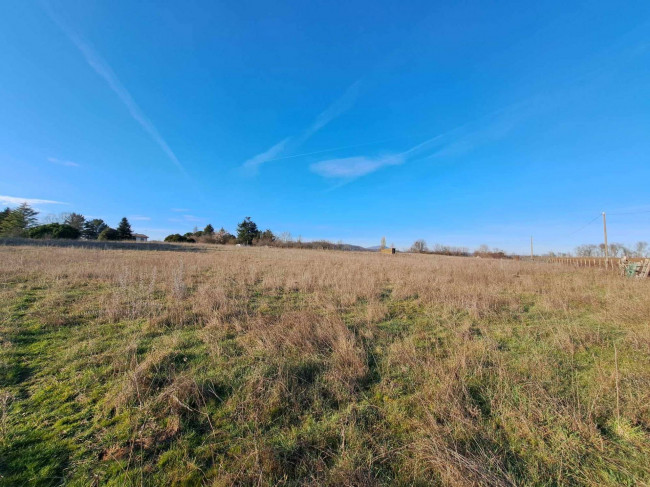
<point>606,248</point>
<point>532,256</point>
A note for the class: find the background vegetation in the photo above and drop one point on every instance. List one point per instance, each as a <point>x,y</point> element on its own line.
<point>22,222</point>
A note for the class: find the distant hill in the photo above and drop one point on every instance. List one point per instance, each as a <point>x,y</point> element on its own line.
<point>354,247</point>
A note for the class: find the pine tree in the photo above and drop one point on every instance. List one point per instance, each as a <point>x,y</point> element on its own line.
<point>124,230</point>
<point>4,213</point>
<point>247,231</point>
<point>267,236</point>
<point>27,215</point>
<point>18,221</point>
<point>93,228</point>
<point>208,230</point>
<point>75,220</point>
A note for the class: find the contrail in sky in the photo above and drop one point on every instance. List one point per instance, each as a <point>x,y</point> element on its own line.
<point>340,106</point>
<point>101,67</point>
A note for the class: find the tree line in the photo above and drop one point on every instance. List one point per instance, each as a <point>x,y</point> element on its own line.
<point>247,234</point>
<point>420,246</point>
<point>22,222</point>
<point>640,249</point>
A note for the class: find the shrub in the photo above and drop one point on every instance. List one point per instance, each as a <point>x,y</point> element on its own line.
<point>224,237</point>
<point>265,238</point>
<point>93,228</point>
<point>109,234</point>
<point>449,250</point>
<point>55,230</point>
<point>177,237</point>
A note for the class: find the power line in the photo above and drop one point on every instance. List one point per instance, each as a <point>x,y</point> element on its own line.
<point>599,216</point>
<point>583,227</point>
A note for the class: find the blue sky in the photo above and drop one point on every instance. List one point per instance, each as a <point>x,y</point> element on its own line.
<point>458,122</point>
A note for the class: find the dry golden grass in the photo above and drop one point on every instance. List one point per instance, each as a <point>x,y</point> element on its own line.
<point>264,366</point>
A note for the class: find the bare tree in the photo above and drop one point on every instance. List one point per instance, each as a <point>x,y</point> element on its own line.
<point>586,250</point>
<point>641,249</point>
<point>56,218</point>
<point>285,237</point>
<point>618,249</point>
<point>601,250</point>
<point>419,246</point>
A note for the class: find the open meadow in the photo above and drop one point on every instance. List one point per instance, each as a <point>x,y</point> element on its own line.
<point>264,366</point>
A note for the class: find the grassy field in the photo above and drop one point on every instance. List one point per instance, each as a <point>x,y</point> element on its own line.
<point>260,366</point>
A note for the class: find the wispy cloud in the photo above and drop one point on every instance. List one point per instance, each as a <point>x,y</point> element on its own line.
<point>187,218</point>
<point>336,109</point>
<point>493,127</point>
<point>139,218</point>
<point>192,218</point>
<point>349,168</point>
<point>101,67</point>
<point>451,143</point>
<point>268,155</point>
<point>354,167</point>
<point>60,162</point>
<point>17,200</point>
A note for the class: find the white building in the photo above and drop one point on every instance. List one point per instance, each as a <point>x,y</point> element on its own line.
<point>140,237</point>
